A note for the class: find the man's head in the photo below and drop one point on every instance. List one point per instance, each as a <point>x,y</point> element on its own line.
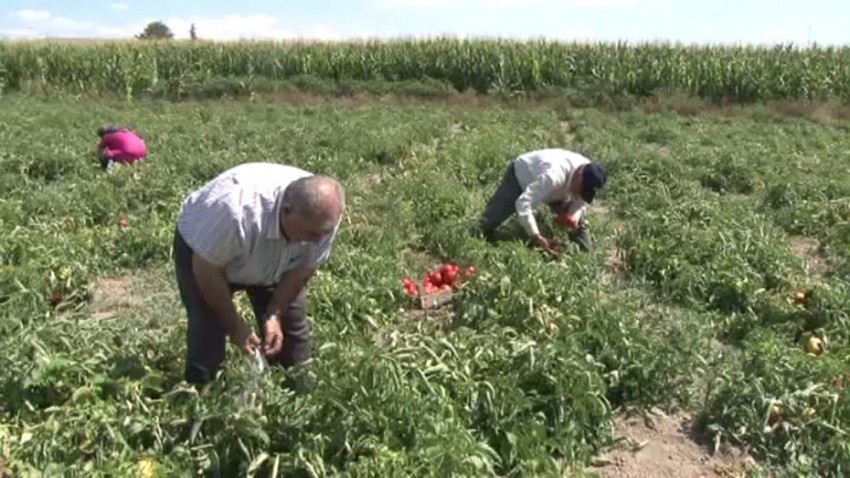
<point>588,180</point>
<point>311,208</point>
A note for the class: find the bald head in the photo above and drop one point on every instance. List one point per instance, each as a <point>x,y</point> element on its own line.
<point>317,199</point>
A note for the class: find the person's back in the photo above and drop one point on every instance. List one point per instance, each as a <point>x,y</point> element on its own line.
<point>122,145</point>
<point>559,162</point>
<point>232,199</point>
<point>254,179</point>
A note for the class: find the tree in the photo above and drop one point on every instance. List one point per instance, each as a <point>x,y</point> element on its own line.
<point>156,31</point>
<point>193,34</point>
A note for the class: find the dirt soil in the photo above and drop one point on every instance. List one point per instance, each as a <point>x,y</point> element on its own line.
<point>569,135</point>
<point>112,296</point>
<point>670,448</point>
<point>808,249</point>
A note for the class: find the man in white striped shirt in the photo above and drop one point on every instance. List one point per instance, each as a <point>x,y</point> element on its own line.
<point>263,228</point>
<point>564,180</point>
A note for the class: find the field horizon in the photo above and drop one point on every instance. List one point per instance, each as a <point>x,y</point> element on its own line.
<point>743,73</point>
<point>720,251</point>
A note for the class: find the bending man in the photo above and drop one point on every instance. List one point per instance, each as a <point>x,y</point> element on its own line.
<point>263,228</point>
<point>564,180</point>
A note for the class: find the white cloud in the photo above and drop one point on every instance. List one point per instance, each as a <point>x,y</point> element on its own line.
<point>20,33</point>
<point>62,27</point>
<point>468,4</point>
<point>414,3</point>
<point>231,27</point>
<point>119,6</point>
<point>33,15</point>
<point>65,23</point>
<point>234,27</point>
<point>604,3</point>
<point>515,3</point>
<point>42,24</point>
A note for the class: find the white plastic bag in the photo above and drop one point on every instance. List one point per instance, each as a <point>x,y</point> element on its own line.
<point>248,396</point>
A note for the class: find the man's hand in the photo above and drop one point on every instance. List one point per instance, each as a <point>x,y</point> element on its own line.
<point>551,247</point>
<point>213,287</point>
<point>245,339</point>
<point>273,332</point>
<point>287,289</point>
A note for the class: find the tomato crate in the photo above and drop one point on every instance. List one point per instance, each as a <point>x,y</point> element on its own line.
<point>438,285</point>
<point>434,299</point>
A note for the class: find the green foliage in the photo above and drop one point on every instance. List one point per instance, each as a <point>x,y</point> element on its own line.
<point>709,207</point>
<point>158,31</point>
<point>523,376</point>
<point>584,72</point>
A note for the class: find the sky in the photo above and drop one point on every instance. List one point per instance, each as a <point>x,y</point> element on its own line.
<point>715,22</point>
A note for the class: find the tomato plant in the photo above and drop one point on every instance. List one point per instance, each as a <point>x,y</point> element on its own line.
<point>702,290</point>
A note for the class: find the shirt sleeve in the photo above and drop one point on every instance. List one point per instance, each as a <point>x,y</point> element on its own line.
<point>535,193</point>
<point>214,232</point>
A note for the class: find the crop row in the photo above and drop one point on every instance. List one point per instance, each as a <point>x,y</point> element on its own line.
<point>739,73</point>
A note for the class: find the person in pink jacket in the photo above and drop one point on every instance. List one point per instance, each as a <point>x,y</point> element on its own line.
<point>120,145</point>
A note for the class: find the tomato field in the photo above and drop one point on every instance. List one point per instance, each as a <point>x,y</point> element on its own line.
<point>721,248</point>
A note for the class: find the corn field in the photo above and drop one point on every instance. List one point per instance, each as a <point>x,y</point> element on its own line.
<point>742,73</point>
<point>716,289</point>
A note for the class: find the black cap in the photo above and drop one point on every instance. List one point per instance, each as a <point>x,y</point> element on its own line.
<point>594,178</point>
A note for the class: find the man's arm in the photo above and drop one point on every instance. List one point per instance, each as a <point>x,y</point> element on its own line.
<point>216,240</point>
<point>293,281</point>
<point>290,285</point>
<point>214,289</point>
<point>535,193</point>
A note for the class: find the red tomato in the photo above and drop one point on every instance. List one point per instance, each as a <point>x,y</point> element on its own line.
<point>445,287</point>
<point>450,277</point>
<point>566,220</point>
<point>436,278</point>
<point>471,270</point>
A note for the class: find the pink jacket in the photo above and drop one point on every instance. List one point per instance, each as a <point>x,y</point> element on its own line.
<point>124,146</point>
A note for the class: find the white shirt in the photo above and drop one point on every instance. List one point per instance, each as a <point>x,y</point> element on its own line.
<point>545,176</point>
<point>234,221</point>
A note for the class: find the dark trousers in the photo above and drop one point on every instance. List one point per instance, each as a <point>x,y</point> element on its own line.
<point>104,161</point>
<point>206,339</point>
<point>503,204</point>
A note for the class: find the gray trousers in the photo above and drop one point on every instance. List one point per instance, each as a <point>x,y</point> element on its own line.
<point>502,205</point>
<point>206,339</point>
